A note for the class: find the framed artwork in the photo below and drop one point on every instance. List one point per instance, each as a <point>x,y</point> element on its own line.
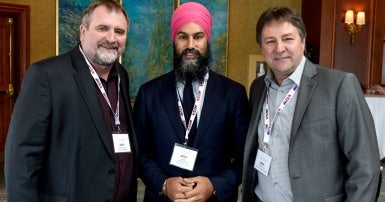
<point>149,50</point>
<point>68,17</point>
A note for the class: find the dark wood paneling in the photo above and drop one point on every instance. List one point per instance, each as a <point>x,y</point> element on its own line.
<point>327,39</point>
<point>354,57</point>
<point>378,42</point>
<point>15,66</point>
<point>313,42</point>
<point>21,13</point>
<point>364,56</point>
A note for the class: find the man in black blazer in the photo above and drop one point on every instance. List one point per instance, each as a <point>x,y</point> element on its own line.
<point>71,135</point>
<point>195,157</point>
<point>311,135</point>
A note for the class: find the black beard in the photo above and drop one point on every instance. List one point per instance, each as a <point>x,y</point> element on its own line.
<point>195,69</point>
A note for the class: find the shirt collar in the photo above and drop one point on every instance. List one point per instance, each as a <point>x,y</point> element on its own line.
<point>294,77</point>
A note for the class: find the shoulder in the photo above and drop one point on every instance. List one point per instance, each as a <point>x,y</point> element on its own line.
<point>159,84</point>
<point>323,71</point>
<point>229,83</point>
<point>329,80</point>
<point>168,77</point>
<point>330,71</point>
<point>53,63</point>
<point>326,75</point>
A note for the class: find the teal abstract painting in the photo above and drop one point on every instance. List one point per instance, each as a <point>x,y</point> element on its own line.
<point>149,48</point>
<point>69,17</point>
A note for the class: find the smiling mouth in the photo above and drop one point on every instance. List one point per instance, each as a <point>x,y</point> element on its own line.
<point>109,47</point>
<point>281,58</point>
<point>190,56</point>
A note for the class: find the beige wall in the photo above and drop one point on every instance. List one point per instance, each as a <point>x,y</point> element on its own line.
<point>243,15</point>
<point>42,27</point>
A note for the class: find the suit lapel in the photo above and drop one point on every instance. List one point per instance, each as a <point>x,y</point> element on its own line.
<point>170,103</point>
<point>259,94</point>
<point>305,94</point>
<point>213,96</point>
<point>87,89</point>
<point>257,97</point>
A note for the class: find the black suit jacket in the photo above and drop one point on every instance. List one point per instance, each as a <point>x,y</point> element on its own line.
<point>58,147</point>
<point>219,138</point>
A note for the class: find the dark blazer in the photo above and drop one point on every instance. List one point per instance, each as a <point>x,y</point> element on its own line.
<point>58,147</point>
<point>333,154</point>
<point>220,136</point>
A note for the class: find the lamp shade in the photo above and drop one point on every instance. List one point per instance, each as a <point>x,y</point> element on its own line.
<point>360,18</point>
<point>349,17</point>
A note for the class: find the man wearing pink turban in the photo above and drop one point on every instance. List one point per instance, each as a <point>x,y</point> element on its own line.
<point>191,123</point>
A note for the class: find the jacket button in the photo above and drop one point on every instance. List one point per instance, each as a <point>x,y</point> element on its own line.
<point>112,171</point>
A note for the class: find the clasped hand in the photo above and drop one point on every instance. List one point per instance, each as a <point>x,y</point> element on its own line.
<point>189,189</point>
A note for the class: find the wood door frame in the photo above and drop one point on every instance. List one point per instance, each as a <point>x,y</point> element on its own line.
<point>21,51</point>
<point>378,43</point>
<point>327,35</point>
<point>21,14</point>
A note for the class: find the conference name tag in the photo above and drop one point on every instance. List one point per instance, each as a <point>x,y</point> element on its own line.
<point>121,143</point>
<point>183,157</point>
<point>262,162</point>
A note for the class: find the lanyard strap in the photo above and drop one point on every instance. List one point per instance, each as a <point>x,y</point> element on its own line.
<point>103,91</point>
<point>268,125</point>
<point>197,105</point>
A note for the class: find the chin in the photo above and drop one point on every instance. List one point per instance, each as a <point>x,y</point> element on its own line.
<point>109,57</point>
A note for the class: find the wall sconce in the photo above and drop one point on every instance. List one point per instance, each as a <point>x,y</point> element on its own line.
<point>351,27</point>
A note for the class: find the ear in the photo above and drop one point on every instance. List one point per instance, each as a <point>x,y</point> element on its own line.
<point>304,44</point>
<point>82,31</point>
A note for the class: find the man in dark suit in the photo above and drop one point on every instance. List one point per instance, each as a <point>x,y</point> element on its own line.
<point>71,135</point>
<point>195,157</point>
<point>311,135</point>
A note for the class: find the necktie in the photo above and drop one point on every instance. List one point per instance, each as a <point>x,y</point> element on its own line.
<point>188,104</point>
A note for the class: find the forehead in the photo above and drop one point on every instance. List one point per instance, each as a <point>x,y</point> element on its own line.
<point>277,28</point>
<point>191,28</point>
<point>102,16</point>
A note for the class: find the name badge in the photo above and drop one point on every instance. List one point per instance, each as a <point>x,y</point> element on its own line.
<point>183,157</point>
<point>262,162</point>
<point>121,143</point>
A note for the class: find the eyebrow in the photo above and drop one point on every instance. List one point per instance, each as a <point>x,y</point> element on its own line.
<point>283,35</point>
<point>181,32</point>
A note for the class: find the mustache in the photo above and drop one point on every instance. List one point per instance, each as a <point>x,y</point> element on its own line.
<point>106,44</point>
<point>189,51</point>
<point>186,51</point>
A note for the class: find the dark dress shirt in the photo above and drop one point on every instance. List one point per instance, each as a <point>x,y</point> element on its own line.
<point>123,161</point>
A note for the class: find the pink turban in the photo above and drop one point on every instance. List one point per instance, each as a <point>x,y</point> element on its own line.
<point>191,12</point>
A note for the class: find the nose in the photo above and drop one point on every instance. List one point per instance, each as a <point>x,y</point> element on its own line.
<point>280,47</point>
<point>191,43</point>
<point>111,36</point>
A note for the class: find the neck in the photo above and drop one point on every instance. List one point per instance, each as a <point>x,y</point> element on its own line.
<point>278,81</point>
<point>279,78</point>
<point>102,71</point>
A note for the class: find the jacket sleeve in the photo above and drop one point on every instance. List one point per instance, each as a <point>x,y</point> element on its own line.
<point>226,182</point>
<point>27,135</point>
<point>357,136</point>
<point>149,170</point>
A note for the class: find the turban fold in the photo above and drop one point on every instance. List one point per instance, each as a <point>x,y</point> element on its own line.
<point>191,12</point>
